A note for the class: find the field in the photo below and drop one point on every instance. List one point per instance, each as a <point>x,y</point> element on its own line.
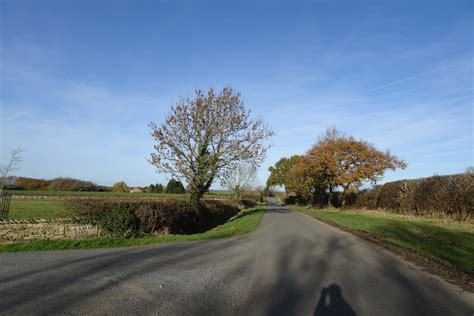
<point>39,209</point>
<point>26,208</point>
<point>244,222</point>
<point>211,194</point>
<point>447,241</point>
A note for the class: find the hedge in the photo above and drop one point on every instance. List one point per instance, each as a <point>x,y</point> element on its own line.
<point>133,218</point>
<point>451,195</point>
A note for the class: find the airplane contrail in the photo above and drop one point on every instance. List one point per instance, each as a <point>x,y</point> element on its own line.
<point>414,76</point>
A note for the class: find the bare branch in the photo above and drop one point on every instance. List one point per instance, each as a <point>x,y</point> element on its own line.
<point>204,138</point>
<point>11,165</point>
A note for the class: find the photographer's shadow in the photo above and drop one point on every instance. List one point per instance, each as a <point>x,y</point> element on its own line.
<point>337,305</point>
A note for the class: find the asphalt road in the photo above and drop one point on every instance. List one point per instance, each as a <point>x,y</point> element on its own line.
<point>291,265</point>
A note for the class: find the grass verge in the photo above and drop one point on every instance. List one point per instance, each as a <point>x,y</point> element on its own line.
<point>448,243</point>
<point>244,222</point>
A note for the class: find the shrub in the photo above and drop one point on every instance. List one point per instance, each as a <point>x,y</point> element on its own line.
<point>291,200</point>
<point>248,203</point>
<point>113,218</point>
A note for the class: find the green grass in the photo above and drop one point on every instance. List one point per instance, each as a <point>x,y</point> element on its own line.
<point>39,209</point>
<point>244,222</point>
<point>448,241</point>
<point>212,194</point>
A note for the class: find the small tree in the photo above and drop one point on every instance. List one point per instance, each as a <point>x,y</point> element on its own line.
<point>241,178</point>
<point>159,188</point>
<point>155,188</point>
<point>11,165</point>
<point>120,186</point>
<point>204,138</point>
<point>285,173</point>
<point>175,186</point>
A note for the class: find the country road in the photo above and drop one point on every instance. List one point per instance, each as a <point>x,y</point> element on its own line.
<point>286,267</point>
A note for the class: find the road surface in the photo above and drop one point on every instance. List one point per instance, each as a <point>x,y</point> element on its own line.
<point>291,265</point>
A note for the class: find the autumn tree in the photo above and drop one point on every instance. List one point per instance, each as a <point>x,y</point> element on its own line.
<point>343,161</point>
<point>241,178</point>
<point>205,137</point>
<point>287,173</point>
<point>10,165</point>
<point>23,183</point>
<point>120,187</point>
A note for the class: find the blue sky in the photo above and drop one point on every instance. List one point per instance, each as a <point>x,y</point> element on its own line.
<point>80,80</point>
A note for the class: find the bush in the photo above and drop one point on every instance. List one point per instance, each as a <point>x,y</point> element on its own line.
<point>248,203</point>
<point>290,200</point>
<point>129,219</point>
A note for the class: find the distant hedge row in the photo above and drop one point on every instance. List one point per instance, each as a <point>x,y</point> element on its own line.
<point>130,219</point>
<point>451,195</point>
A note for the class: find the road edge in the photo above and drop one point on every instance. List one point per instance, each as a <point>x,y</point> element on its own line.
<point>426,263</point>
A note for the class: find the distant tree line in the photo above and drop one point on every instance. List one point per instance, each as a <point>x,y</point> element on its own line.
<point>71,184</point>
<point>57,184</point>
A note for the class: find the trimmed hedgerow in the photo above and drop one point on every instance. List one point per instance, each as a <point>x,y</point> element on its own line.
<point>451,195</point>
<point>133,218</point>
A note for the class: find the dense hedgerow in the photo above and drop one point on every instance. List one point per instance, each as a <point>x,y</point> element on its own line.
<point>451,195</point>
<point>133,218</point>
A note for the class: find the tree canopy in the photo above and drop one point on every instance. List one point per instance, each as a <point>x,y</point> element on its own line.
<point>240,179</point>
<point>175,186</point>
<point>336,160</point>
<point>120,186</point>
<point>205,137</point>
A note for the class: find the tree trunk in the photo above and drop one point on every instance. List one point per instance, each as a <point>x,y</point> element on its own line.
<point>195,200</point>
<point>330,197</point>
<point>344,196</point>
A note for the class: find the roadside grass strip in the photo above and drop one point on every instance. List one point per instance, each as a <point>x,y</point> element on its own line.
<point>244,222</point>
<point>448,241</point>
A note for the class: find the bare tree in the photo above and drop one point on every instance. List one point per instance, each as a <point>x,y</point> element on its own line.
<point>204,138</point>
<point>11,165</point>
<point>241,178</point>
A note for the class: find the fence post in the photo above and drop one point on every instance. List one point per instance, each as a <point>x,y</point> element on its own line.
<point>5,205</point>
